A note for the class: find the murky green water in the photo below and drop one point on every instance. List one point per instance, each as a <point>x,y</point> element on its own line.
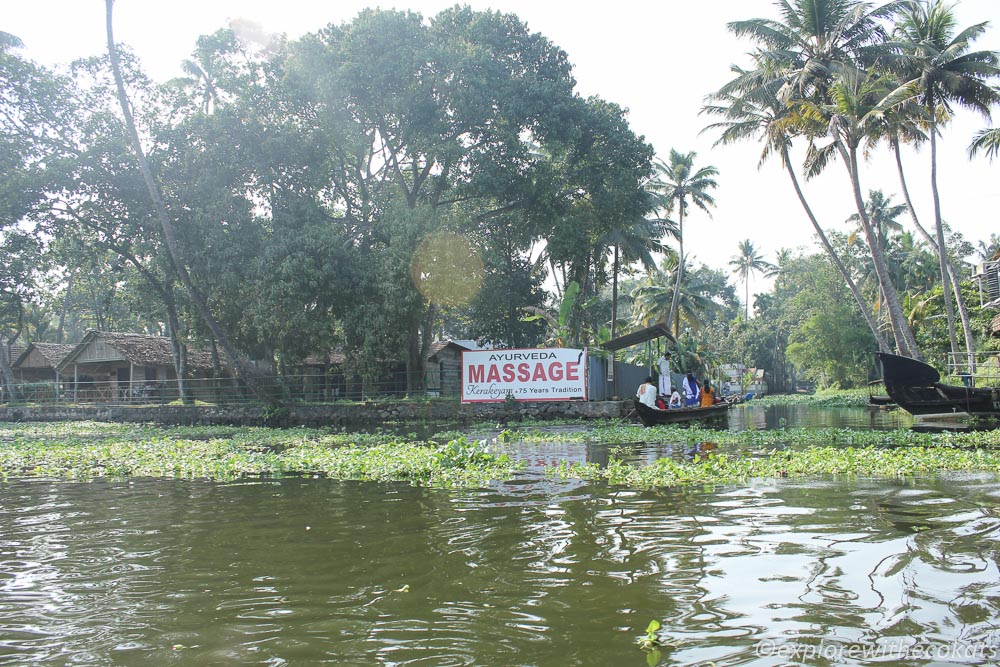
<point>528,572</point>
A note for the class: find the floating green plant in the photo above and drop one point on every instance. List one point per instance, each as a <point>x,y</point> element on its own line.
<point>86,451</point>
<point>712,469</point>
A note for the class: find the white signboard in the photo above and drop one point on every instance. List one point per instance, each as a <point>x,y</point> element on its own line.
<point>555,374</point>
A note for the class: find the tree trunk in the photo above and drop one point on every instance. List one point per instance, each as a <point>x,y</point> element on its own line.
<point>946,275</point>
<point>866,311</point>
<point>901,328</point>
<point>963,311</point>
<point>65,307</point>
<point>614,295</point>
<point>169,233</point>
<point>6,372</point>
<point>178,350</point>
<point>675,297</point>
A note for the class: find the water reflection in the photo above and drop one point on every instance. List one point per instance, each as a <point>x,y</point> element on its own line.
<point>526,572</point>
<point>751,416</point>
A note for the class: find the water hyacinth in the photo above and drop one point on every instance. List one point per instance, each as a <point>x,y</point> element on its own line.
<point>812,461</point>
<point>89,450</point>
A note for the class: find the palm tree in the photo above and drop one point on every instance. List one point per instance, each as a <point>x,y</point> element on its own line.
<point>752,109</point>
<point>940,70</point>
<point>816,40</point>
<point>634,241</point>
<point>679,184</point>
<point>988,141</point>
<point>746,263</point>
<point>9,41</point>
<point>656,291</point>
<point>853,117</point>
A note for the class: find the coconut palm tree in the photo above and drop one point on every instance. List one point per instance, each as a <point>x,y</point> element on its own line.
<point>9,41</point>
<point>940,69</point>
<point>853,119</point>
<point>681,185</point>
<point>988,141</point>
<point>747,262</point>
<point>655,293</point>
<point>752,109</point>
<point>634,241</point>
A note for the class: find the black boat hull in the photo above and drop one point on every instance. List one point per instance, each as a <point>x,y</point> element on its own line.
<point>916,387</point>
<point>652,417</point>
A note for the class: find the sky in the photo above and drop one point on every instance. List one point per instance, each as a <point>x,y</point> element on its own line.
<point>657,59</point>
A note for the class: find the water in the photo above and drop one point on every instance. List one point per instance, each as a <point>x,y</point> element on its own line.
<point>527,572</point>
<point>757,416</point>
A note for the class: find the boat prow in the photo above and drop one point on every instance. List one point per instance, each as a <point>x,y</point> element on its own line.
<point>917,388</point>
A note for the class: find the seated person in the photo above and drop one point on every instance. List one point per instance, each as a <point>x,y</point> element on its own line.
<point>646,393</point>
<point>675,400</point>
<point>707,395</point>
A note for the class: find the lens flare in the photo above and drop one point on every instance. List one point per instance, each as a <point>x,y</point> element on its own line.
<point>447,269</point>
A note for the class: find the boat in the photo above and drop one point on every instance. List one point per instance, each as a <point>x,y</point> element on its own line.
<point>877,396</point>
<point>917,388</point>
<point>653,416</point>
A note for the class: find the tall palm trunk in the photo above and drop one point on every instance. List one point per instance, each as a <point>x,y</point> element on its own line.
<point>859,298</point>
<point>905,341</point>
<point>672,316</point>
<point>963,311</point>
<point>614,295</point>
<point>169,233</point>
<point>946,276</point>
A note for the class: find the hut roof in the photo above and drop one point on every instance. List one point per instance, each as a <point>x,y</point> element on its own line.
<point>323,359</point>
<point>142,350</point>
<point>439,345</point>
<point>53,353</point>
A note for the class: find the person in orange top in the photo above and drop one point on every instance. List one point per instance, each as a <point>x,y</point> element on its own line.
<point>707,395</point>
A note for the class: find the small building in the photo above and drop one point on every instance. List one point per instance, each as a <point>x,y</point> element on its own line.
<point>318,377</point>
<point>443,371</point>
<point>112,366</point>
<point>39,361</point>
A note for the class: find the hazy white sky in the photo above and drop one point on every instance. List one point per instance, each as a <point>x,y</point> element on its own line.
<point>657,59</point>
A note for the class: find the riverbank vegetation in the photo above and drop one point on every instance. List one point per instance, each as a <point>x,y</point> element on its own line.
<point>88,450</point>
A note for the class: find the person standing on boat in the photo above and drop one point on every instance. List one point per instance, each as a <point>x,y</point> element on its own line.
<point>691,390</point>
<point>664,365</point>
<point>646,393</point>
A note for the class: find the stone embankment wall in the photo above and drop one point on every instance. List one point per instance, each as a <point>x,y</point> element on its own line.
<point>365,414</point>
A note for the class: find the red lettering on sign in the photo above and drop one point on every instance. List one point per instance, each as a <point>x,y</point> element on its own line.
<point>493,375</point>
<point>508,372</point>
<point>476,373</point>
<point>539,373</point>
<point>572,371</point>
<point>523,374</point>
<point>556,370</point>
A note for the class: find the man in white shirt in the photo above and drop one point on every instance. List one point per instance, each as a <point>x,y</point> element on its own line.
<point>664,365</point>
<point>646,393</point>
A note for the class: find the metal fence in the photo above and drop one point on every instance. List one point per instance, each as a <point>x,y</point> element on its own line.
<point>982,370</point>
<point>227,391</point>
<point>303,389</point>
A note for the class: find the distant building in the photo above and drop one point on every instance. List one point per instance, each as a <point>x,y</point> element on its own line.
<point>444,366</point>
<point>39,361</point>
<point>111,366</point>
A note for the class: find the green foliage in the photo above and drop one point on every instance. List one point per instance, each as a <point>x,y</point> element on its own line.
<point>86,450</point>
